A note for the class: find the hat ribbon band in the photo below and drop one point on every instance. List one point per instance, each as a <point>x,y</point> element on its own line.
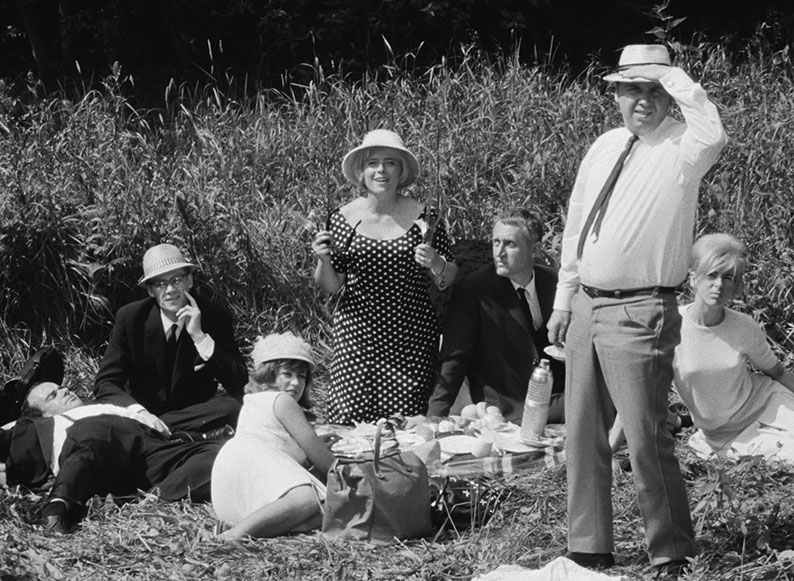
<point>631,65</point>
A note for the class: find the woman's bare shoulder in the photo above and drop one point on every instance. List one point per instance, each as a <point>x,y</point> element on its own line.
<point>353,209</point>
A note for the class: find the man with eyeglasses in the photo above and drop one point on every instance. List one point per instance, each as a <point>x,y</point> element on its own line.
<point>169,353</point>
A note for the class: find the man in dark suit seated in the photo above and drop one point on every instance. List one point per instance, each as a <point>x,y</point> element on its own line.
<point>495,331</point>
<point>85,448</point>
<point>169,352</point>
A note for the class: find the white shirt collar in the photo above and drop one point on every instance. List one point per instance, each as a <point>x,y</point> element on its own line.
<point>166,322</point>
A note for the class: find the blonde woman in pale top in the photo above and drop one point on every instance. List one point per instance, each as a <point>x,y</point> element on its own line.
<point>739,409</point>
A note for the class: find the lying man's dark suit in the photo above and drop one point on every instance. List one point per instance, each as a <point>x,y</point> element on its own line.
<point>489,340</point>
<point>134,363</point>
<point>108,454</point>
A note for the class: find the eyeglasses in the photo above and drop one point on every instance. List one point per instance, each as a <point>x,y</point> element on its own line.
<point>175,281</point>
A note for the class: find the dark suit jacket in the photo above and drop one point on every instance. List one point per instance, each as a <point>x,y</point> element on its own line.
<point>488,339</point>
<point>134,360</point>
<point>108,454</point>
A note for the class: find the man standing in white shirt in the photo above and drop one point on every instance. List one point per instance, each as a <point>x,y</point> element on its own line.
<point>619,271</point>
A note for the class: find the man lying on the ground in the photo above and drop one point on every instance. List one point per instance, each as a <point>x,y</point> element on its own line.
<point>92,449</point>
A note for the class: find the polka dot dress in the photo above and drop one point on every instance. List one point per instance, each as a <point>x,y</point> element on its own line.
<point>385,330</point>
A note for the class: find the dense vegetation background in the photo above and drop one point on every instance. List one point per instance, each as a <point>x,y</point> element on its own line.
<point>89,181</point>
<point>98,170</point>
<point>88,184</point>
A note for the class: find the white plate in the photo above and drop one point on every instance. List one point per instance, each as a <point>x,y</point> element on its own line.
<point>554,352</point>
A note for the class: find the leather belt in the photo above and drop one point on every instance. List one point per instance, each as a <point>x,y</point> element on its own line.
<point>597,293</point>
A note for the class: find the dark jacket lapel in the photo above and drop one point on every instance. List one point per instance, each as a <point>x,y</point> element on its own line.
<point>546,286</point>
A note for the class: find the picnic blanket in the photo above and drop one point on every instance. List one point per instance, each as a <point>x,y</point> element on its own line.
<point>489,452</point>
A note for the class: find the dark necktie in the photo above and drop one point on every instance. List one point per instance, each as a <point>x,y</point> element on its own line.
<point>600,207</point>
<point>523,300</point>
<point>170,352</point>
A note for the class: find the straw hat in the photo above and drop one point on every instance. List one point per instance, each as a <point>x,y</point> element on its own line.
<point>281,346</point>
<point>351,164</point>
<point>635,55</point>
<point>162,259</point>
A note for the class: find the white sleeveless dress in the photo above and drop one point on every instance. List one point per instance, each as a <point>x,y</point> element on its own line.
<point>260,464</point>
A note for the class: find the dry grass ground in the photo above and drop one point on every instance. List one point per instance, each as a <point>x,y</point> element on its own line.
<point>744,516</point>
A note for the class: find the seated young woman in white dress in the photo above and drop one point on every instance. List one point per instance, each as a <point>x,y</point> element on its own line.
<point>261,484</point>
<point>739,410</point>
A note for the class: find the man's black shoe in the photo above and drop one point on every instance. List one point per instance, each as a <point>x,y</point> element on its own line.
<point>56,525</point>
<point>223,433</point>
<point>53,517</point>
<point>592,560</point>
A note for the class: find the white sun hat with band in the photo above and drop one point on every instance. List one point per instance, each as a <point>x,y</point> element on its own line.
<point>162,259</point>
<point>281,346</point>
<point>635,55</point>
<point>352,162</point>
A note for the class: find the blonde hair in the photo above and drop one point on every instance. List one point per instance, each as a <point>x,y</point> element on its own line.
<point>719,252</point>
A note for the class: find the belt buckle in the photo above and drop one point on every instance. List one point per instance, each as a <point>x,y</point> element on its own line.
<point>617,293</point>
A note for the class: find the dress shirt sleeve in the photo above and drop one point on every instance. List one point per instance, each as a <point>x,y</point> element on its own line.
<point>206,347</point>
<point>705,136</point>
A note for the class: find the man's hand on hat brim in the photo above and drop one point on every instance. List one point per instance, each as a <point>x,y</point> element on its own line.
<point>650,72</point>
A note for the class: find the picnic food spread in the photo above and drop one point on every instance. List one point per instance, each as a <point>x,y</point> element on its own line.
<point>479,436</point>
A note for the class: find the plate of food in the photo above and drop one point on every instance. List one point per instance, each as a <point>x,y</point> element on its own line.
<point>554,352</point>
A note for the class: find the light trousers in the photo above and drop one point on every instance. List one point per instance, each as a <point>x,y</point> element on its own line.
<point>619,357</point>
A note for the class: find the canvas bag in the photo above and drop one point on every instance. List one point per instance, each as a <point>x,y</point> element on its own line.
<point>377,499</point>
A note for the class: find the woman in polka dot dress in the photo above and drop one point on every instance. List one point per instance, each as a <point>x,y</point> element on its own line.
<point>385,331</point>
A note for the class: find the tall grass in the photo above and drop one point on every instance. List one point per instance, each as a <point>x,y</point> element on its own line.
<point>88,185</point>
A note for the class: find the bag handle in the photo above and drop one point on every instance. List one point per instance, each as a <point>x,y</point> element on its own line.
<point>376,457</point>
